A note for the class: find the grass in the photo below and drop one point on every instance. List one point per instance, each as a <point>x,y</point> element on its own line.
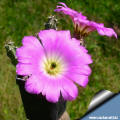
<point>27,17</point>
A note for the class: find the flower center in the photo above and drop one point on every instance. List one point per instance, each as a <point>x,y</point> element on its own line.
<point>53,67</point>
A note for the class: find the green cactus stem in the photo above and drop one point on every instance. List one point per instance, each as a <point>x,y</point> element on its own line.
<point>11,52</point>
<point>51,23</point>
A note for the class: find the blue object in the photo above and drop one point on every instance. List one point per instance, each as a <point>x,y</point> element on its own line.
<point>109,110</point>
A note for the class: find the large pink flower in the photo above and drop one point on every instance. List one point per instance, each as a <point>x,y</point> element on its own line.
<point>53,66</point>
<point>83,26</point>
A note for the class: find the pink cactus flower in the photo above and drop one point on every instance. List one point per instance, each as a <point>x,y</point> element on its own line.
<point>53,66</point>
<point>83,26</point>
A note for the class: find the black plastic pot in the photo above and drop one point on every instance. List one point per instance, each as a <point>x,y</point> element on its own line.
<point>38,108</point>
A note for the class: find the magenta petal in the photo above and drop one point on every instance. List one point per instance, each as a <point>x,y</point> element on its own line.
<point>29,52</point>
<point>103,30</point>
<point>82,80</point>
<point>63,4</point>
<point>44,35</point>
<point>85,58</point>
<point>83,49</point>
<point>65,95</point>
<point>70,88</point>
<point>24,60</point>
<point>53,91</point>
<point>23,56</point>
<point>23,52</point>
<point>31,41</point>
<point>68,11</point>
<point>51,36</point>
<point>34,85</point>
<point>81,69</point>
<point>107,31</point>
<point>51,88</point>
<point>23,69</point>
<point>64,34</point>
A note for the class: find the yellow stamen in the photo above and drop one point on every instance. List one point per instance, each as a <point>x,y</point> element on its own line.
<point>53,67</point>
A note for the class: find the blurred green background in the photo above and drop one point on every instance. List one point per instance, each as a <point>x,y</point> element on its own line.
<point>19,18</point>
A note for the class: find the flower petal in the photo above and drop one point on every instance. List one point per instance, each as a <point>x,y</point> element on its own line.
<point>70,88</point>
<point>68,11</point>
<point>65,95</point>
<point>34,85</point>
<point>63,4</point>
<point>53,91</point>
<point>82,80</point>
<point>81,69</point>
<point>48,37</point>
<point>23,69</point>
<point>31,41</point>
<point>30,50</point>
<point>107,31</point>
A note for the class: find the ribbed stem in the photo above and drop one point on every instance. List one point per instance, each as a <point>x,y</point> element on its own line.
<point>11,52</point>
<point>51,23</point>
